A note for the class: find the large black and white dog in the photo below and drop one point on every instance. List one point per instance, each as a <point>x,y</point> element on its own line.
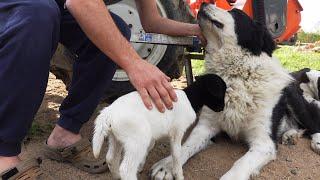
<point>262,101</point>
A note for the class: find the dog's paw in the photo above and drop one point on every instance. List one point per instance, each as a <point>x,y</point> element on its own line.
<point>315,143</point>
<point>255,175</point>
<point>237,174</point>
<point>290,137</point>
<point>162,170</point>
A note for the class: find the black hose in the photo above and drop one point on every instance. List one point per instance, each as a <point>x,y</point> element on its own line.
<point>259,11</point>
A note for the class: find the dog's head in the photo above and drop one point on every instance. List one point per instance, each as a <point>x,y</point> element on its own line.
<point>234,27</point>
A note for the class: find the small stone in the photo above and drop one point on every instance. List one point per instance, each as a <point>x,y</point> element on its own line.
<point>288,160</point>
<point>294,171</point>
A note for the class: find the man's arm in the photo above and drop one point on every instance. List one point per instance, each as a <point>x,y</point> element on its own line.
<point>152,22</point>
<point>96,22</point>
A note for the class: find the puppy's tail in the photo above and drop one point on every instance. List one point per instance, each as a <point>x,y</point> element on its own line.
<point>101,131</point>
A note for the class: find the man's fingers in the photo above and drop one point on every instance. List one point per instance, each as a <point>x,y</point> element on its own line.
<point>170,90</point>
<point>165,96</point>
<point>145,98</point>
<point>168,78</point>
<point>156,98</point>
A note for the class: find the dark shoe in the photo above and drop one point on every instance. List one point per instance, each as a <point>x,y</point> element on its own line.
<point>26,170</point>
<point>79,155</point>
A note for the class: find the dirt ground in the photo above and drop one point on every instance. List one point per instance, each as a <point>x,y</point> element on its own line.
<point>293,162</point>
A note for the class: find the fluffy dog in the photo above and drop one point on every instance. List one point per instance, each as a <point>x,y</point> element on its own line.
<point>260,93</point>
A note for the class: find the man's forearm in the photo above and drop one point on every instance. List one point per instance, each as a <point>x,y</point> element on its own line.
<point>153,22</point>
<point>96,21</point>
<point>149,81</point>
<point>173,28</point>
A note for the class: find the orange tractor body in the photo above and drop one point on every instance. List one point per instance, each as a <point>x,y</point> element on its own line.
<point>281,31</point>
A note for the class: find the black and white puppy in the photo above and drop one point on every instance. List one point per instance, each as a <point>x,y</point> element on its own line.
<point>302,109</point>
<point>259,93</point>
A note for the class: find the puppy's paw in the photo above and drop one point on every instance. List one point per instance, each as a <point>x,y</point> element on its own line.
<point>315,143</point>
<point>162,170</point>
<point>290,137</point>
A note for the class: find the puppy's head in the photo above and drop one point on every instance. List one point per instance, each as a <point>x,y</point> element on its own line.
<point>214,89</point>
<point>234,27</point>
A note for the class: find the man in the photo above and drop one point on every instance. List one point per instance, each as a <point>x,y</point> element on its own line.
<point>29,33</point>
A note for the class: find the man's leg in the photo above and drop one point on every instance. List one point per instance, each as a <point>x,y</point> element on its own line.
<point>29,32</point>
<point>92,74</point>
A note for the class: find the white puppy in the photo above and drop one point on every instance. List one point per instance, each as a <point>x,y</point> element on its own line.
<point>132,129</point>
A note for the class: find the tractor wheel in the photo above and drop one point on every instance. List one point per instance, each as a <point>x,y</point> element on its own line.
<point>166,58</point>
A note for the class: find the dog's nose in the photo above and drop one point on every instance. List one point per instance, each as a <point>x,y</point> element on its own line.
<point>203,5</point>
<point>201,10</point>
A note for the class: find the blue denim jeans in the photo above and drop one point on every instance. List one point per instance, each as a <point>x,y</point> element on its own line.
<point>29,33</point>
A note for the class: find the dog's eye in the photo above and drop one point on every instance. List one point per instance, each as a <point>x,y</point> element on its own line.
<point>217,24</point>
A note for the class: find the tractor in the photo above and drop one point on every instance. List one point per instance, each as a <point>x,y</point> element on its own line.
<point>281,17</point>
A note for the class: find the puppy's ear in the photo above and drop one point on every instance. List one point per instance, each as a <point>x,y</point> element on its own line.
<point>216,89</point>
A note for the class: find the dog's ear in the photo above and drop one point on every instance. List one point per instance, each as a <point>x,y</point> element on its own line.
<point>256,41</point>
<point>250,38</point>
<point>301,75</point>
<point>216,88</point>
<point>268,45</point>
<point>260,40</point>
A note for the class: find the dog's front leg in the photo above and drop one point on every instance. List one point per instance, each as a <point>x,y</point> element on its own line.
<point>262,150</point>
<point>197,141</point>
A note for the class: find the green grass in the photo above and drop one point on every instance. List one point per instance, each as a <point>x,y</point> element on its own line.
<point>308,37</point>
<point>197,67</point>
<point>294,60</point>
<point>38,129</point>
<point>290,58</point>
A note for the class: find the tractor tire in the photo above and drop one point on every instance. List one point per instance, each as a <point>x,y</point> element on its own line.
<point>171,62</point>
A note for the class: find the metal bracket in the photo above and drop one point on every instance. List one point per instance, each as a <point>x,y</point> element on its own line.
<point>163,39</point>
<point>187,57</point>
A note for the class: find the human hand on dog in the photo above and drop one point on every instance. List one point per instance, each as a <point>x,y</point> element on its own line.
<point>152,84</point>
<point>198,33</point>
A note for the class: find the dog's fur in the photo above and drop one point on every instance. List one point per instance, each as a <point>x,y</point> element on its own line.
<point>132,128</point>
<point>259,94</point>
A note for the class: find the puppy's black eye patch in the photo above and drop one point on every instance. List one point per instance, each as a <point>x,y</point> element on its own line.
<point>217,23</point>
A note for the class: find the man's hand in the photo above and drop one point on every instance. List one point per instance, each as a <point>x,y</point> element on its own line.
<point>198,33</point>
<point>149,81</point>
<point>152,22</point>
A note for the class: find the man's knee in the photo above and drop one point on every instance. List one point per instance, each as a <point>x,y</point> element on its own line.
<point>122,26</point>
<point>39,13</point>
